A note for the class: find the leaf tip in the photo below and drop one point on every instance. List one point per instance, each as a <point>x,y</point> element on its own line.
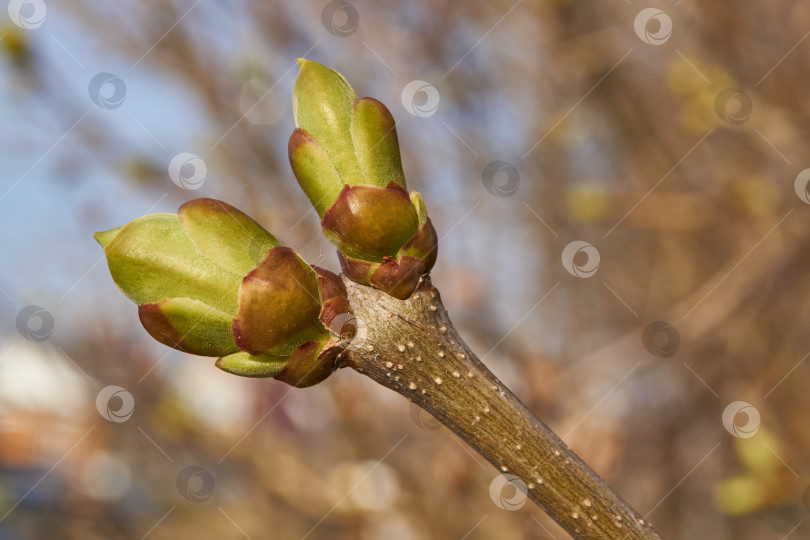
<point>105,237</point>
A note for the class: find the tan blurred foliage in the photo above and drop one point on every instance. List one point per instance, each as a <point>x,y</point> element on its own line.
<point>618,142</point>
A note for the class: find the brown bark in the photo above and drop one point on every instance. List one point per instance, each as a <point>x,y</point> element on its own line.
<point>411,347</point>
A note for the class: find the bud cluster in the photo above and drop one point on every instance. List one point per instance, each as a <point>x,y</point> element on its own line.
<point>345,155</point>
<point>211,281</point>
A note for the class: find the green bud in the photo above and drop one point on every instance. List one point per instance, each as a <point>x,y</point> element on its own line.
<point>189,325</point>
<point>340,139</point>
<point>374,134</point>
<point>322,106</point>
<point>345,155</point>
<point>225,235</point>
<point>152,258</point>
<point>314,171</point>
<point>309,364</point>
<point>247,365</point>
<point>211,281</point>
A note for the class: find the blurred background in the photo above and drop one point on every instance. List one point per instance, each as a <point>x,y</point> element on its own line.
<point>622,203</point>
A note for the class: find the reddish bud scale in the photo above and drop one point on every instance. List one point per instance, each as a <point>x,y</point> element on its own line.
<point>380,240</point>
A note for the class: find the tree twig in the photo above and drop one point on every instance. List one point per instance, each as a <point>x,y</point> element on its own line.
<point>412,348</point>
